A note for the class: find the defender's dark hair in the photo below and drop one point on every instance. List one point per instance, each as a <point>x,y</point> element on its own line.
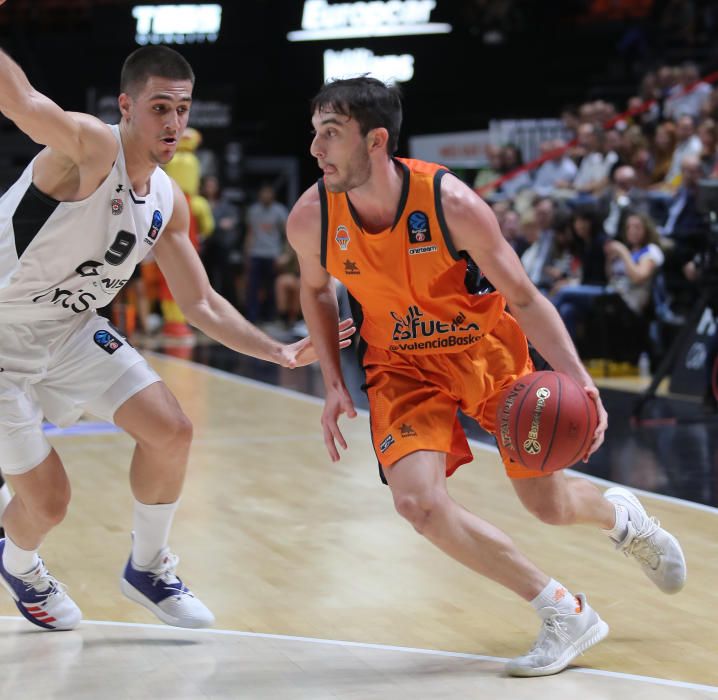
<point>160,61</point>
<point>372,103</point>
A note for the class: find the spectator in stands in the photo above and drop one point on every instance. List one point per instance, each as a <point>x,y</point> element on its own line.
<point>630,269</point>
<point>710,106</point>
<point>511,229</point>
<point>685,232</point>
<point>563,266</point>
<point>666,79</point>
<point>500,208</point>
<point>642,163</point>
<point>221,251</point>
<point>633,262</point>
<point>643,114</point>
<point>537,255</point>
<point>556,173</point>
<point>571,121</point>
<point>286,290</point>
<point>623,196</point>
<point>595,166</point>
<point>511,159</point>
<point>687,143</point>
<point>592,239</point>
<point>664,144</point>
<point>708,134</point>
<point>491,171</point>
<point>266,240</point>
<point>684,220</point>
<point>688,95</point>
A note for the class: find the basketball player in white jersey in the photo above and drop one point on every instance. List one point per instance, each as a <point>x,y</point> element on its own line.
<point>86,210</point>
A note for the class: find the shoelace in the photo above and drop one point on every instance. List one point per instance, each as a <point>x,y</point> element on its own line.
<point>552,627</point>
<point>166,574</point>
<point>640,545</point>
<point>43,585</point>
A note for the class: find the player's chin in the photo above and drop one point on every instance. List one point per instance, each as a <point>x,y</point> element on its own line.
<point>164,155</point>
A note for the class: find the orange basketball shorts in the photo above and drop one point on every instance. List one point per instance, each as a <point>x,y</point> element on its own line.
<point>414,399</point>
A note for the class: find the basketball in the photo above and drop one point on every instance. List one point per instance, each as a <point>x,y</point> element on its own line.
<point>545,421</point>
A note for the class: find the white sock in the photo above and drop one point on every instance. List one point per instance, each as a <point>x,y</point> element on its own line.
<point>151,526</point>
<point>618,532</point>
<point>5,497</point>
<point>18,561</point>
<point>556,597</point>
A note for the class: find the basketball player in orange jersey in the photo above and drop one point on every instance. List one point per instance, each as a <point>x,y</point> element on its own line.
<point>416,249</point>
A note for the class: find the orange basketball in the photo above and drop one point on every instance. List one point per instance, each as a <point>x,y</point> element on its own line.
<point>545,421</point>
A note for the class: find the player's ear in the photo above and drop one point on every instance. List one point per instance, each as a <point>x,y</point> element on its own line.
<point>124,101</point>
<point>377,138</point>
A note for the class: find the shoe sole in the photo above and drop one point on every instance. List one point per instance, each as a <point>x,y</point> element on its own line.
<point>28,616</point>
<point>593,635</point>
<point>628,496</point>
<point>129,591</point>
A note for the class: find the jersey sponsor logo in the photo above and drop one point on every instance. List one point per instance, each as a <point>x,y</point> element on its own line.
<point>116,205</point>
<point>109,285</point>
<point>423,249</point>
<point>88,268</point>
<point>342,237</point>
<point>418,223</point>
<point>154,227</point>
<point>386,443</point>
<point>413,325</point>
<point>351,268</point>
<point>107,341</point>
<point>78,301</point>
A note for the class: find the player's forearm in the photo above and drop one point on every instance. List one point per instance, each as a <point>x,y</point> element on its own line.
<point>321,312</point>
<point>218,319</point>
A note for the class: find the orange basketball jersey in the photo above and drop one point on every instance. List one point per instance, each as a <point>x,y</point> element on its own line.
<point>417,293</point>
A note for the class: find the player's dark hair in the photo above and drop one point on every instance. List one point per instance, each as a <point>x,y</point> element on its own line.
<point>372,103</point>
<point>159,61</point>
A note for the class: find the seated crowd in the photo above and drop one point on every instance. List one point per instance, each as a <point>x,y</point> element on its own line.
<point>610,226</point>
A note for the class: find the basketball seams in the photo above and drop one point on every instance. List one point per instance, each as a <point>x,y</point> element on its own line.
<point>587,408</point>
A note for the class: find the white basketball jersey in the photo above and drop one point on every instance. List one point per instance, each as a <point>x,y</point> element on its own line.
<point>58,259</point>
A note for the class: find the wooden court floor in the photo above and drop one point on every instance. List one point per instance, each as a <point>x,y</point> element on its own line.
<point>321,591</point>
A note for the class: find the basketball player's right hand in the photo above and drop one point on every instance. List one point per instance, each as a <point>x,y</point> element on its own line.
<point>337,401</point>
<point>602,416</point>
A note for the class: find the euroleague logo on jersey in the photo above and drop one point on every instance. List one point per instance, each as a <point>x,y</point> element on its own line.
<point>107,341</point>
<point>154,227</point>
<point>418,223</point>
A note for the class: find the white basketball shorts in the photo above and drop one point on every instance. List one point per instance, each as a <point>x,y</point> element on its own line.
<point>59,369</point>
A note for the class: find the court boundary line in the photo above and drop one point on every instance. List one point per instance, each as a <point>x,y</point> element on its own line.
<point>293,393</point>
<point>383,647</point>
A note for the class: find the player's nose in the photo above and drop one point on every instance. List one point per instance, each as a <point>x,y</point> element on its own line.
<point>315,148</point>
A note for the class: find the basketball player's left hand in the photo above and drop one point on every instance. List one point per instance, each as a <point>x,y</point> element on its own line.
<point>303,353</point>
<point>599,435</point>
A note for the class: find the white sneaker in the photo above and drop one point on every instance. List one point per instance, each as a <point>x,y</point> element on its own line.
<point>561,639</point>
<point>40,597</point>
<point>657,551</point>
<point>158,588</point>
